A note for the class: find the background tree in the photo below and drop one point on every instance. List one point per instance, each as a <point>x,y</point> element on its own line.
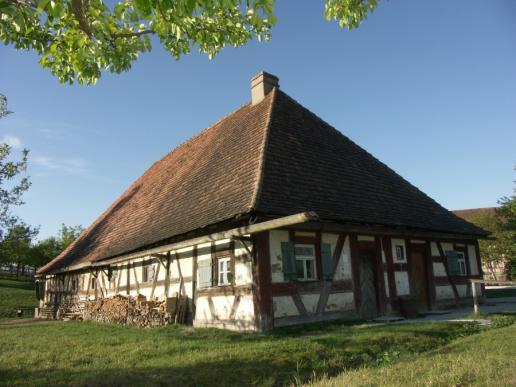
<point>47,249</point>
<point>78,39</point>
<point>15,247</point>
<point>501,249</point>
<point>12,186</point>
<point>506,216</point>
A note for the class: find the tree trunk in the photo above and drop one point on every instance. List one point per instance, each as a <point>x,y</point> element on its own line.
<point>17,270</point>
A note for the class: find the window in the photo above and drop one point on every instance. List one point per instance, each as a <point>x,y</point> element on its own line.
<point>305,262</point>
<point>462,263</point>
<point>400,253</point>
<point>93,282</point>
<point>224,271</point>
<point>148,273</point>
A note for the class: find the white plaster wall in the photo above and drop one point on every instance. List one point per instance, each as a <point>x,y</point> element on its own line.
<point>396,242</point>
<point>340,302</point>
<point>402,283</point>
<point>439,270</point>
<point>447,247</point>
<point>243,270</point>
<point>243,273</point>
<point>283,306</point>
<point>245,310</point>
<point>275,239</point>
<point>472,254</point>
<point>434,249</point>
<point>343,271</point>
<point>310,301</point>
<point>461,290</point>
<point>386,282</point>
<point>365,238</point>
<point>444,292</point>
<point>416,241</point>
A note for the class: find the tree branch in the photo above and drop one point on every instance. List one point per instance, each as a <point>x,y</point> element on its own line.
<point>132,34</point>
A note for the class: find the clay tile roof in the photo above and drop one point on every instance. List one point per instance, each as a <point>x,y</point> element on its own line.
<point>276,158</point>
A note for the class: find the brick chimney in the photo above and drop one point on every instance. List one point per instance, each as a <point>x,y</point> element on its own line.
<point>261,85</point>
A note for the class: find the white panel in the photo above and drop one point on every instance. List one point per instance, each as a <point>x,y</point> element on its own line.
<point>435,249</point>
<point>439,270</point>
<point>284,306</point>
<point>243,273</point>
<point>365,238</point>
<point>444,292</point>
<point>340,302</point>
<point>275,239</point>
<point>417,241</point>
<point>331,239</point>
<point>343,271</point>
<point>472,254</point>
<point>447,247</point>
<point>245,310</point>
<point>240,249</point>
<point>386,281</point>
<point>398,242</point>
<point>461,289</point>
<point>202,309</point>
<point>310,301</point>
<point>402,283</point>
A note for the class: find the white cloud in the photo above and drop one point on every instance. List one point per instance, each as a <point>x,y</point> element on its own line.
<point>71,166</point>
<point>12,141</point>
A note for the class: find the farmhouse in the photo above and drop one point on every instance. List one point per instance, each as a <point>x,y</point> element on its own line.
<point>270,217</point>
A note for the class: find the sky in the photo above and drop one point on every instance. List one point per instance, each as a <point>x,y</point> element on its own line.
<point>428,87</point>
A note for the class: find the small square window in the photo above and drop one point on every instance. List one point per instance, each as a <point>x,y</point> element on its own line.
<point>148,273</point>
<point>462,263</point>
<point>305,262</point>
<point>224,271</point>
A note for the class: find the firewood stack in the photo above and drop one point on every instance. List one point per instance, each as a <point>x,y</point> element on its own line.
<point>137,311</point>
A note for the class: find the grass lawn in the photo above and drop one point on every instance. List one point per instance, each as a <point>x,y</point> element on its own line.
<point>75,353</point>
<point>487,359</point>
<point>16,294</point>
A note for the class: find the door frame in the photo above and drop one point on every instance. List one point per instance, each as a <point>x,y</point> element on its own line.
<point>422,249</point>
<point>375,247</point>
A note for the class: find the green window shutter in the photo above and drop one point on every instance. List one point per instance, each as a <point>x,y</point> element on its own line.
<point>204,269</point>
<point>327,262</point>
<point>289,261</point>
<point>452,259</point>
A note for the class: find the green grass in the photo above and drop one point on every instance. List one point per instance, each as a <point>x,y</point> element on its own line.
<point>16,294</point>
<point>502,292</point>
<point>75,353</point>
<point>486,359</point>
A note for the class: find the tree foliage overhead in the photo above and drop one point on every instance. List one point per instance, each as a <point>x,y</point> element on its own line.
<point>78,39</point>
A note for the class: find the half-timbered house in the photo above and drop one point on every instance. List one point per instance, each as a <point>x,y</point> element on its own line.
<point>267,218</point>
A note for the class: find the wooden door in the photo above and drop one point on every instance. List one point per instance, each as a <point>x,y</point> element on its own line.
<point>368,291</point>
<point>419,278</point>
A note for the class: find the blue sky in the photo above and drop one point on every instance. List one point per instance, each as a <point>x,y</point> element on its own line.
<point>428,87</point>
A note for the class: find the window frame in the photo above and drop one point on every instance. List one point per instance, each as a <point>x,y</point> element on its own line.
<point>400,248</point>
<point>461,259</point>
<point>304,259</point>
<point>146,268</point>
<point>228,272</point>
